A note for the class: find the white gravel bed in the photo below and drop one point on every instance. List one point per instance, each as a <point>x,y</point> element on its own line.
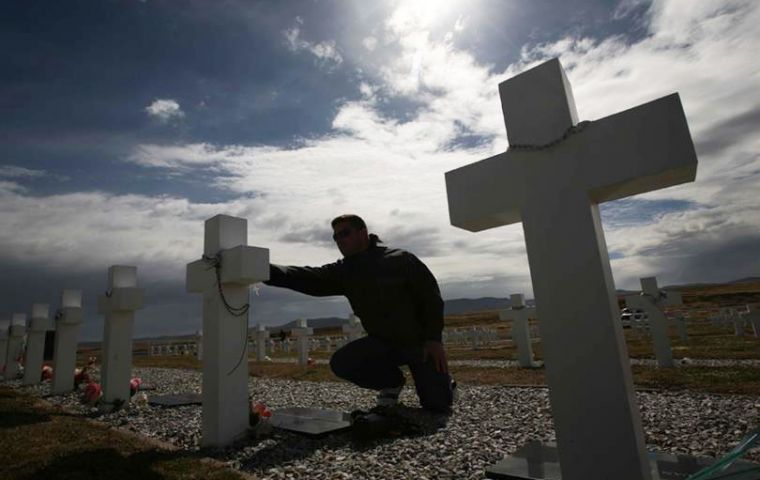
<point>488,422</point>
<point>647,362</point>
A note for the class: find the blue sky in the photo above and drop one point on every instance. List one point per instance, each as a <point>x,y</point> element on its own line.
<point>125,124</point>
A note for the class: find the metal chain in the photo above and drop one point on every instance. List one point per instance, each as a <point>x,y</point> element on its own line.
<point>216,264</point>
<point>568,133</point>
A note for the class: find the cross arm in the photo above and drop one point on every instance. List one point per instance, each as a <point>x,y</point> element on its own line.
<point>639,150</point>
<point>486,194</point>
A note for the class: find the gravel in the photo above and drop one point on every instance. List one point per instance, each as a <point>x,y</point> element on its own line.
<point>488,422</point>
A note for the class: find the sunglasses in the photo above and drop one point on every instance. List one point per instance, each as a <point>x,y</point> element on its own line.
<point>342,233</point>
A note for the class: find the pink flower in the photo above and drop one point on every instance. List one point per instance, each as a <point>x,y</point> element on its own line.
<point>134,385</point>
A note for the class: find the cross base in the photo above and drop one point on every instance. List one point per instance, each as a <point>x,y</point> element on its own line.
<point>313,422</point>
<point>539,461</point>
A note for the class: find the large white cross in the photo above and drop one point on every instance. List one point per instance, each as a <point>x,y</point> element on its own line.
<point>519,314</point>
<point>39,324</point>
<point>555,192</point>
<point>224,417</point>
<point>118,305</point>
<point>652,300</point>
<point>67,321</point>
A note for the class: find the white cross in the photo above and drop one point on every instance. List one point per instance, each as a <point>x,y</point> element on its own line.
<point>224,417</point>
<point>753,317</point>
<point>39,324</point>
<point>302,333</point>
<point>652,300</point>
<point>519,314</point>
<point>262,336</point>
<point>118,305</point>
<point>353,328</point>
<point>555,192</point>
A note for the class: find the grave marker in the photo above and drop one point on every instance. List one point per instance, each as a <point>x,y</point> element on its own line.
<point>353,328</point>
<point>67,321</point>
<point>261,335</point>
<point>118,305</point>
<point>5,325</point>
<point>15,345</point>
<point>39,324</point>
<point>223,276</point>
<point>519,314</point>
<point>302,333</point>
<point>753,317</point>
<point>642,149</point>
<point>651,301</point>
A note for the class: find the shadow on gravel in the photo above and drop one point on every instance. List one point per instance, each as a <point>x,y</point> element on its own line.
<point>285,447</point>
<point>104,463</point>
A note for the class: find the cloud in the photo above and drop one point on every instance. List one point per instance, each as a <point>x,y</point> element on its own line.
<point>326,52</point>
<point>164,110</point>
<point>426,107</point>
<point>13,171</point>
<point>369,43</point>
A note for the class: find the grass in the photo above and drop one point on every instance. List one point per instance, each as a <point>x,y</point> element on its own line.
<point>39,441</point>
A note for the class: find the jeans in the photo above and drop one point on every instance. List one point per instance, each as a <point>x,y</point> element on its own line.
<point>370,362</point>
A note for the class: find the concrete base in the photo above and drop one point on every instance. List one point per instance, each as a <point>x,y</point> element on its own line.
<point>35,346</point>
<point>225,376</point>
<point>64,357</point>
<point>117,356</point>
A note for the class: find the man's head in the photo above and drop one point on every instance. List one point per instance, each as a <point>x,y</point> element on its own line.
<point>350,234</point>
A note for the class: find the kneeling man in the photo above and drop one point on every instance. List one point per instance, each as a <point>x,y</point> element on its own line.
<point>398,301</point>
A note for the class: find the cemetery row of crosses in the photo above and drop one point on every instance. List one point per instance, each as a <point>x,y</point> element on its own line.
<point>578,318</point>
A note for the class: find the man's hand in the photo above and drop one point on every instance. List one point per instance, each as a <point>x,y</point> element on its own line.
<point>435,351</point>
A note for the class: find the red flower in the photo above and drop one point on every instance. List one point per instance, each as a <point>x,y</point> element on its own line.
<point>134,386</point>
<point>92,393</point>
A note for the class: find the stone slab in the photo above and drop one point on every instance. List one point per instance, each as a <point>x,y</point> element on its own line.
<point>313,422</point>
<point>175,400</point>
<point>539,461</point>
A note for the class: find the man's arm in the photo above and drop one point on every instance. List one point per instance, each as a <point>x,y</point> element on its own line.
<point>316,281</point>
<point>427,296</point>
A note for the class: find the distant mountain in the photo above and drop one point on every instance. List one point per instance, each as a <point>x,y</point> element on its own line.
<point>746,280</point>
<point>459,306</point>
<point>324,322</point>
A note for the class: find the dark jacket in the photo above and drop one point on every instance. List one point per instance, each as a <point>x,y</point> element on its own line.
<point>391,291</point>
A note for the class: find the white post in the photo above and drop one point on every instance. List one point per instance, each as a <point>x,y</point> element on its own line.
<point>738,321</point>
<point>753,317</point>
<point>519,314</point>
<point>39,324</point>
<point>302,333</point>
<point>552,179</point>
<point>199,345</point>
<point>262,336</point>
<point>223,277</point>
<point>680,321</point>
<point>15,345</point>
<point>5,326</point>
<point>651,301</point>
<point>67,321</point>
<point>353,328</point>
<point>118,305</point>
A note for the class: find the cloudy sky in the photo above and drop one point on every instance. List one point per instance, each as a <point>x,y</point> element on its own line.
<point>125,124</point>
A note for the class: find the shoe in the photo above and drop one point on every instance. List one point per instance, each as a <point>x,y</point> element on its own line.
<point>388,397</point>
